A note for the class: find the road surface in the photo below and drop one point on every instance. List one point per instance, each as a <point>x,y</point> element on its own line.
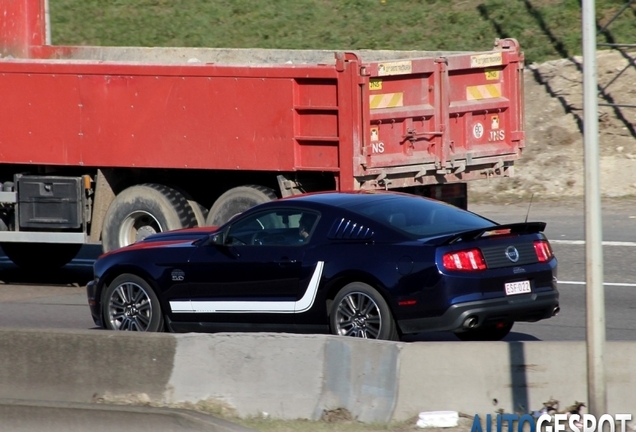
<point>58,300</point>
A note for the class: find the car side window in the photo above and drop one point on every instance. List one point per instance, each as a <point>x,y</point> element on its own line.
<point>280,227</point>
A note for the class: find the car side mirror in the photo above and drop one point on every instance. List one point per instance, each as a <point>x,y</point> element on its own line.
<point>217,239</point>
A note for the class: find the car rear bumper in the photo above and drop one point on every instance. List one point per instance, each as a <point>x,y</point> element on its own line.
<point>93,303</point>
<point>531,307</point>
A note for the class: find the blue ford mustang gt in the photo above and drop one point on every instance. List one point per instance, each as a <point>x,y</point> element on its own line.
<point>369,265</point>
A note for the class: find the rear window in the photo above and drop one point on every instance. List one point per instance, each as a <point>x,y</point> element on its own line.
<point>420,217</point>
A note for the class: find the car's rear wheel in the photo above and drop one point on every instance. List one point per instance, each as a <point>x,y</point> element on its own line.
<point>142,210</point>
<point>130,304</point>
<point>359,310</point>
<point>489,333</point>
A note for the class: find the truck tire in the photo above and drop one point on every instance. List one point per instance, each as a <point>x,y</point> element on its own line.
<point>41,255</point>
<point>200,212</point>
<point>142,210</point>
<point>237,200</point>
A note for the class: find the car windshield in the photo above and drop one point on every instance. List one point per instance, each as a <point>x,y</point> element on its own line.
<point>419,217</point>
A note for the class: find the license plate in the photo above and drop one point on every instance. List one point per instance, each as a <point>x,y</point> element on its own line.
<point>522,287</point>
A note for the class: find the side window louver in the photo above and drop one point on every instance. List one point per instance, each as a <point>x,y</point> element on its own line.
<point>345,229</point>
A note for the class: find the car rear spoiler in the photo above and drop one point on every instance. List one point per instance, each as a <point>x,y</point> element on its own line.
<point>513,228</point>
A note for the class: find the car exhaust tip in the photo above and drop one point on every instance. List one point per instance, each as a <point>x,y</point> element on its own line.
<point>556,311</point>
<point>470,322</point>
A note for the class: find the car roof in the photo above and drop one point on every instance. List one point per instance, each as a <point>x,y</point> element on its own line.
<point>348,199</point>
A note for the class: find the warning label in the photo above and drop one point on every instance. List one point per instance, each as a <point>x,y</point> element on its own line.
<point>375,134</point>
<point>492,74</point>
<point>389,100</point>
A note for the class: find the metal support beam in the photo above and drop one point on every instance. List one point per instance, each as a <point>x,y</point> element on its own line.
<point>595,296</point>
<point>43,237</point>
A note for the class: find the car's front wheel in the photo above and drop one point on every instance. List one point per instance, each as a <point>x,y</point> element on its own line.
<point>359,310</point>
<point>489,333</point>
<point>130,304</point>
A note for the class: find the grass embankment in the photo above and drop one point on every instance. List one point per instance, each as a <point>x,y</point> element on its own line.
<point>546,29</point>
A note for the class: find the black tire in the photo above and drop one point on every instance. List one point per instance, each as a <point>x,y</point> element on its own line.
<point>145,209</point>
<point>130,304</point>
<point>358,310</point>
<point>41,255</point>
<point>199,210</point>
<point>237,200</point>
<point>490,333</point>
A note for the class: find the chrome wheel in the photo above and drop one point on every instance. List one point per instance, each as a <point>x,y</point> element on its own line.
<point>137,226</point>
<point>130,308</point>
<point>358,315</point>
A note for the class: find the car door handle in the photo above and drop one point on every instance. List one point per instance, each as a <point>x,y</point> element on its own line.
<point>286,261</point>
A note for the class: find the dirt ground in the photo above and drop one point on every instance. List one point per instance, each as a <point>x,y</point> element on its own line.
<point>552,164</point>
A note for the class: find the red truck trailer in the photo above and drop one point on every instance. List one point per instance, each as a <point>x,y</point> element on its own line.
<point>111,144</point>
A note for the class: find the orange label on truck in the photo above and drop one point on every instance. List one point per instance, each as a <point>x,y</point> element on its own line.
<point>375,84</point>
<point>492,74</point>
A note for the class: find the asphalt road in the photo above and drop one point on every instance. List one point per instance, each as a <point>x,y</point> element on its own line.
<point>566,230</point>
<point>36,416</point>
<point>58,300</point>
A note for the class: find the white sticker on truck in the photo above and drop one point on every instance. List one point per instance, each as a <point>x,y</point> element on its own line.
<point>486,60</point>
<point>395,68</point>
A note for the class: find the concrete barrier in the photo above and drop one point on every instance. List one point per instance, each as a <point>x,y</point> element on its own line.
<point>301,376</point>
<point>270,373</point>
<point>473,377</point>
<point>80,366</point>
<point>288,376</point>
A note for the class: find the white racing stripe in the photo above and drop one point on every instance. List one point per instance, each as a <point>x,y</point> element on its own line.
<point>302,305</point>
<point>582,242</point>
<point>604,283</point>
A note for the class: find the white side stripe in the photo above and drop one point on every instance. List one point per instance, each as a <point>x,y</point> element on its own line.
<point>305,303</point>
<point>302,305</point>
<point>181,306</point>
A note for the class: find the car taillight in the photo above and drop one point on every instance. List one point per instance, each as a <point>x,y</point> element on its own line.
<point>543,250</point>
<point>466,260</point>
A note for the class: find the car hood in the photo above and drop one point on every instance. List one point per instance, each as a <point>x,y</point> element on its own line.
<point>176,238</point>
<point>182,235</point>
